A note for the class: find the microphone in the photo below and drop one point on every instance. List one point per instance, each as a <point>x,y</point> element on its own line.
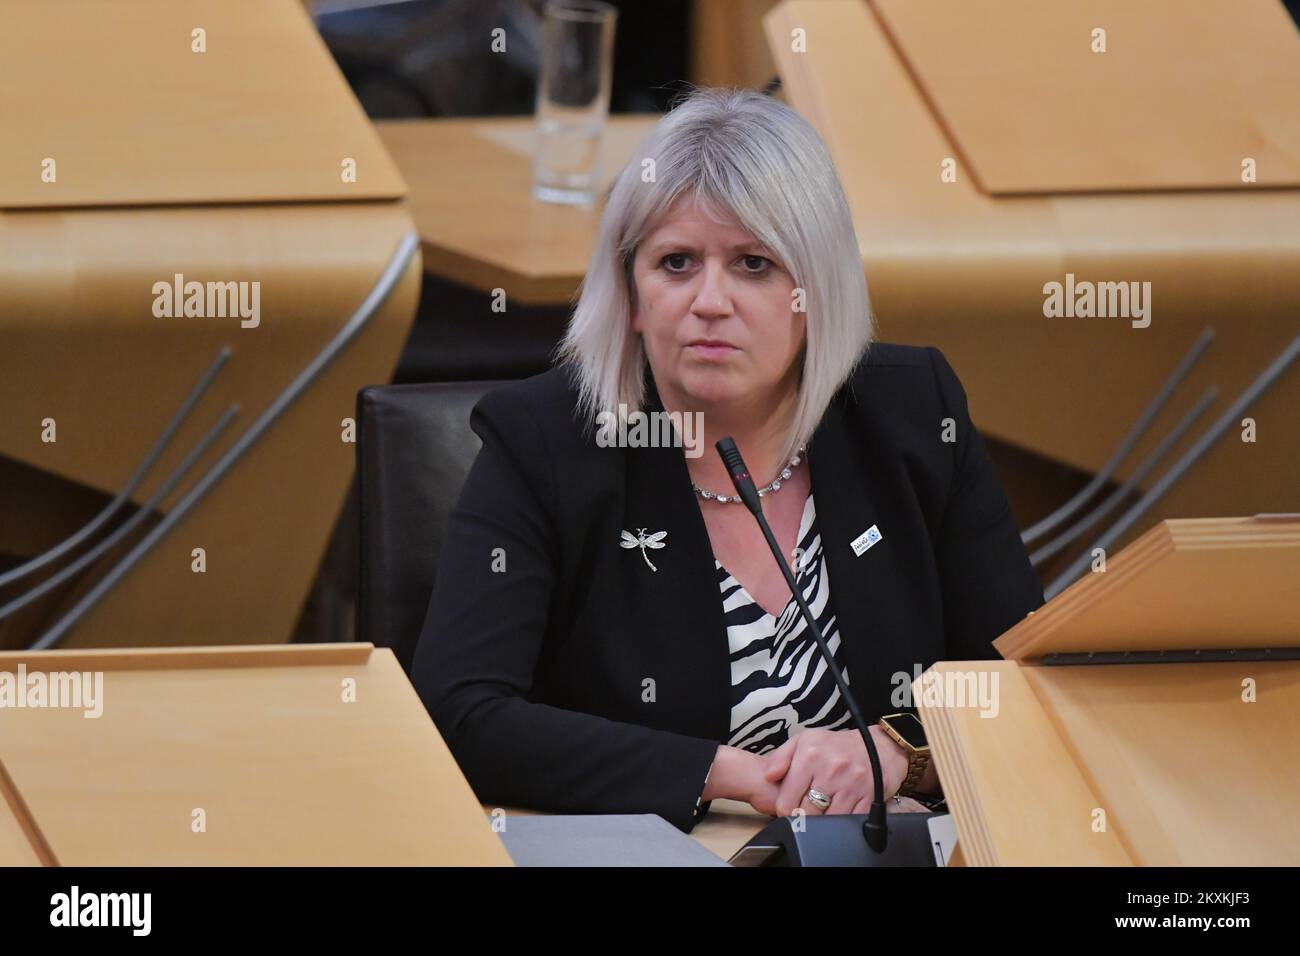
<point>874,829</point>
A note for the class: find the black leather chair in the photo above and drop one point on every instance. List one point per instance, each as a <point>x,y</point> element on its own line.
<point>456,337</point>
<point>414,449</point>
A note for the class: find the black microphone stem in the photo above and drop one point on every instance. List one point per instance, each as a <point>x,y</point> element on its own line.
<point>874,828</point>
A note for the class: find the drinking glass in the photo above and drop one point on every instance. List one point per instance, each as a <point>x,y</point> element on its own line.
<point>573,100</point>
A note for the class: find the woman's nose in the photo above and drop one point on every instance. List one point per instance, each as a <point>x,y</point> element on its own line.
<point>712,298</point>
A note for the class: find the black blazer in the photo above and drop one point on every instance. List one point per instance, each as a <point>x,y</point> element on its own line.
<point>539,676</point>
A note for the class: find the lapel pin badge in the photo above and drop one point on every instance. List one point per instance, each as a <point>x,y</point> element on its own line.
<point>642,540</point>
<point>866,540</point>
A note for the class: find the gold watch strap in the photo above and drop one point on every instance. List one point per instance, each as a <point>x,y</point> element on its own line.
<point>918,761</point>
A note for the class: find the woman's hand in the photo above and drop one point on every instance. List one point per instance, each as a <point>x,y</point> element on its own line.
<point>739,775</point>
<point>836,763</point>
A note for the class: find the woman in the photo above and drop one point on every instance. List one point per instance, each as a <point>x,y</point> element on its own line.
<point>609,631</point>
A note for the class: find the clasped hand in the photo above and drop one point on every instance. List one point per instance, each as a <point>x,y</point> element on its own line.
<point>835,762</point>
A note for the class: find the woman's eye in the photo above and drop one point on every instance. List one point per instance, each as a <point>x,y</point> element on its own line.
<point>678,262</point>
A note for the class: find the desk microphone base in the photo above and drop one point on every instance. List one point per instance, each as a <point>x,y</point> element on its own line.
<point>837,840</point>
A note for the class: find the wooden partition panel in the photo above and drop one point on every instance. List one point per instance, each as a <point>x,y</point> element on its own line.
<point>294,755</point>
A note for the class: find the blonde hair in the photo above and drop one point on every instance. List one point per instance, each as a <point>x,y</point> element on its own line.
<point>743,154</point>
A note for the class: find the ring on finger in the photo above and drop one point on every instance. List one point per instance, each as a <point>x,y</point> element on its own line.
<point>818,799</point>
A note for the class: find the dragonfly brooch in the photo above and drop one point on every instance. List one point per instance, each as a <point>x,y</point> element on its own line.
<point>642,540</point>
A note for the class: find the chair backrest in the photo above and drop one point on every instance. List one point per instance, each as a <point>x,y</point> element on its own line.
<point>414,450</point>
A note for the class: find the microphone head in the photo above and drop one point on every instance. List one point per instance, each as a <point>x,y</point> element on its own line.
<point>739,473</point>
<point>731,457</point>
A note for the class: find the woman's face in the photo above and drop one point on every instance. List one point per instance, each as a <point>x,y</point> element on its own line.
<point>715,314</point>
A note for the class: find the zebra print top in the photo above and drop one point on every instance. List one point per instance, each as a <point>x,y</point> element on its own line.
<point>779,683</point>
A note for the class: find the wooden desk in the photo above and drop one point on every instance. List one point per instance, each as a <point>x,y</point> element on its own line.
<point>230,756</point>
<point>243,184</point>
<point>471,195</point>
<point>951,265</point>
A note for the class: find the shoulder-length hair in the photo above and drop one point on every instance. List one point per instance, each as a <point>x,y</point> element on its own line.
<point>749,158</point>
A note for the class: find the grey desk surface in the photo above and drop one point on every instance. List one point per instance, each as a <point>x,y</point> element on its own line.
<point>601,840</point>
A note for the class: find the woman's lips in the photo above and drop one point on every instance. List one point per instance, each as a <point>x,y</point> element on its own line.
<point>711,349</point>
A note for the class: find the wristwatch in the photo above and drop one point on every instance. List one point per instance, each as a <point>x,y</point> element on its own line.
<point>906,731</point>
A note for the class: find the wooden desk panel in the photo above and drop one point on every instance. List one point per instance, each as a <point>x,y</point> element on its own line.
<point>286,770</point>
<point>471,197</point>
<point>81,346</point>
<point>115,94</point>
<point>1181,94</point>
<point>950,265</point>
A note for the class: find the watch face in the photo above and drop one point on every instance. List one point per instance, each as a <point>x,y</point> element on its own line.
<point>908,726</point>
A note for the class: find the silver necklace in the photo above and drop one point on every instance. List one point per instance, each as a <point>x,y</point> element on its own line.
<point>775,486</point>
